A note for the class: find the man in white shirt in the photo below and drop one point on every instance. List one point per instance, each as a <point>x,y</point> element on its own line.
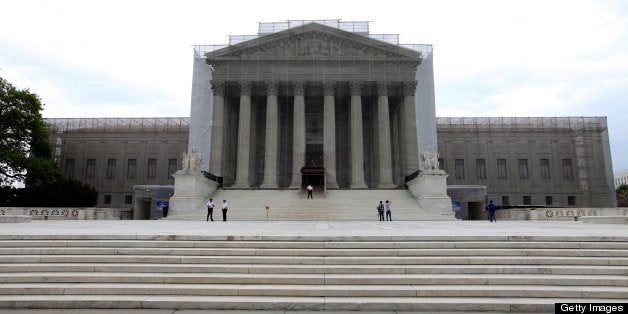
<point>309,191</point>
<point>210,210</point>
<point>225,207</point>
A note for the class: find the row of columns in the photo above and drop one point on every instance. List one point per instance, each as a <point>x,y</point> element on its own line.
<point>271,155</point>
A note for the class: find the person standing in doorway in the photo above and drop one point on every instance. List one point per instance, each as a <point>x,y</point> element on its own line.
<point>225,207</point>
<point>309,191</point>
<point>491,211</point>
<point>380,211</point>
<point>388,210</point>
<point>210,210</point>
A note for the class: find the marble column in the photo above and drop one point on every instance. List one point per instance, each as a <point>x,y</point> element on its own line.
<point>218,128</point>
<point>411,145</point>
<point>329,135</point>
<point>244,137</point>
<point>298,137</point>
<point>357,144</point>
<point>271,152</point>
<point>383,130</point>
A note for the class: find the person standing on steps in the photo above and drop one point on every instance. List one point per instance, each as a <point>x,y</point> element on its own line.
<point>491,211</point>
<point>210,210</point>
<point>388,210</point>
<point>380,211</point>
<point>225,207</point>
<point>309,191</point>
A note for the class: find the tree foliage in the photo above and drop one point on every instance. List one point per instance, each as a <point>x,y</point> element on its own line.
<point>622,195</point>
<point>28,175</point>
<point>23,134</point>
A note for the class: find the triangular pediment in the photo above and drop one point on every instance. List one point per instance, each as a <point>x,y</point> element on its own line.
<point>313,41</point>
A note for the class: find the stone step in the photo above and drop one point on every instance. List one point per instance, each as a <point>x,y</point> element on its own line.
<point>312,252</point>
<point>514,291</point>
<point>442,304</point>
<point>317,260</point>
<point>290,205</point>
<point>337,238</point>
<point>314,244</point>
<point>317,279</point>
<point>314,269</point>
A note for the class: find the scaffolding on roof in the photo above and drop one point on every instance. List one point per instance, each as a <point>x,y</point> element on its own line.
<point>61,125</point>
<point>532,123</point>
<point>360,27</point>
<point>357,27</point>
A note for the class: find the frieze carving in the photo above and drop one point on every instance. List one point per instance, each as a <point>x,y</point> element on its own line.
<point>218,88</point>
<point>409,88</point>
<point>312,44</point>
<point>246,88</point>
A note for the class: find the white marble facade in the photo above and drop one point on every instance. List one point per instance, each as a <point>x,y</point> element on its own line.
<point>312,96</point>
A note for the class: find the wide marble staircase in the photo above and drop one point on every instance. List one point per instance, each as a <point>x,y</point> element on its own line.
<point>420,273</point>
<point>332,205</point>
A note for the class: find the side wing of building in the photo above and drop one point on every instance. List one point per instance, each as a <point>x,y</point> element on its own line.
<point>115,154</point>
<point>559,162</point>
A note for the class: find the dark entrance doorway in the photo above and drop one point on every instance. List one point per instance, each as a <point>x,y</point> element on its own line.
<point>314,176</point>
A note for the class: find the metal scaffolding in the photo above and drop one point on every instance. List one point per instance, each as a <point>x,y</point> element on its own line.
<point>166,124</point>
<point>527,123</point>
<point>357,27</point>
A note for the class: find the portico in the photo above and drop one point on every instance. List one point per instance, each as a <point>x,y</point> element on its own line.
<point>313,96</point>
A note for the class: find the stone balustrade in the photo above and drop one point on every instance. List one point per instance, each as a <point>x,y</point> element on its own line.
<point>69,213</point>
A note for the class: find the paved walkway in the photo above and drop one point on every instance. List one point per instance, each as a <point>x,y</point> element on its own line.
<point>441,229</point>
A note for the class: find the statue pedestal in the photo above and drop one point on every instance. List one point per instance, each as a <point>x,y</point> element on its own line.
<point>191,191</point>
<point>430,191</point>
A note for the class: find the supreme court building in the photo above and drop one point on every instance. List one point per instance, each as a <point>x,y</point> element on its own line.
<point>328,103</point>
<point>313,97</point>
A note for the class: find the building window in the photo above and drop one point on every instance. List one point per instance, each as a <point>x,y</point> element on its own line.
<point>128,199</point>
<point>480,169</point>
<point>152,169</point>
<point>549,200</point>
<point>459,169</point>
<point>505,200</point>
<point>441,163</point>
<point>90,171</point>
<point>523,169</point>
<point>69,168</point>
<point>545,169</point>
<point>502,171</point>
<point>107,199</point>
<point>571,200</point>
<point>111,168</point>
<point>527,200</point>
<point>172,167</point>
<point>567,170</point>
<point>130,168</point>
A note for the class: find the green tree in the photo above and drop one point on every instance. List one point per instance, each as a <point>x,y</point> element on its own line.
<point>23,136</point>
<point>622,195</point>
<point>28,175</point>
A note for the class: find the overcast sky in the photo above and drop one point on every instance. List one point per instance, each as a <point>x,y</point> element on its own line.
<point>491,58</point>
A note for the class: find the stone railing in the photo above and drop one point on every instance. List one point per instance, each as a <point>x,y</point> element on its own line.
<point>556,213</point>
<point>69,213</point>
